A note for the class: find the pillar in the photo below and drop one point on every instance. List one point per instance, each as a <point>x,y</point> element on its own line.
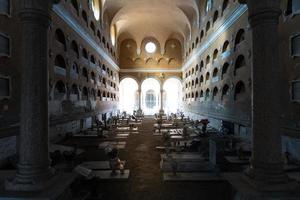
<point>266,170</point>
<point>161,111</point>
<point>33,171</point>
<point>140,99</point>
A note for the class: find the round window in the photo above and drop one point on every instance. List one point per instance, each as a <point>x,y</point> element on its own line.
<point>150,47</point>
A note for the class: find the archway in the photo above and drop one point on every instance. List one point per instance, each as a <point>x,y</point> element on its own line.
<point>150,96</point>
<point>173,95</point>
<point>128,95</point>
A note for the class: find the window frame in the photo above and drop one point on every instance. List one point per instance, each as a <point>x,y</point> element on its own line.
<point>291,45</point>
<point>10,10</point>
<point>9,85</point>
<point>291,91</point>
<point>9,43</point>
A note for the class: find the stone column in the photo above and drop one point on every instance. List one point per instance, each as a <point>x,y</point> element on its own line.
<point>140,100</point>
<point>266,170</point>
<point>33,171</point>
<point>161,111</point>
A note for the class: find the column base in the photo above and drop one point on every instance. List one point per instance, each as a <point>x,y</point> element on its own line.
<point>245,188</point>
<point>31,181</point>
<point>161,112</point>
<point>56,188</point>
<point>264,186</point>
<point>268,177</point>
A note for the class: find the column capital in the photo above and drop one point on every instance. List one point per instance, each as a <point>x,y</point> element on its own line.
<point>263,12</point>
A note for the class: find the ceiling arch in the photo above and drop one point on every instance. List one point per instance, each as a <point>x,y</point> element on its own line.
<point>159,19</point>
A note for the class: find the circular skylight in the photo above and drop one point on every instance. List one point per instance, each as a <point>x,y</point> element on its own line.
<point>150,47</point>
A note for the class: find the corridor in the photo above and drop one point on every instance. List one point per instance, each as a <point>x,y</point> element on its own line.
<point>145,181</point>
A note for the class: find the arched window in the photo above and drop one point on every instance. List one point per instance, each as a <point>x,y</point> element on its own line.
<point>75,5</point>
<point>207,26</point>
<point>60,62</point>
<point>240,62</point>
<point>215,72</point>
<point>201,94</point>
<point>207,93</point>
<point>215,93</point>
<point>93,77</point>
<point>216,15</point>
<point>59,91</point>
<point>224,6</point>
<point>240,37</point>
<point>207,60</point>
<point>201,65</point>
<point>215,56</point>
<point>85,74</point>
<point>85,53</point>
<point>93,94</point>
<point>197,95</point>
<point>84,17</point>
<point>207,77</point>
<point>92,25</point>
<point>96,6</point>
<point>193,45</point>
<point>240,89</point>
<point>85,94</point>
<point>201,79</point>
<point>197,81</point>
<point>225,91</point>
<point>225,46</point>
<point>75,69</point>
<point>74,93</point>
<point>99,94</point>
<point>208,5</point>
<point>193,83</point>
<point>103,40</point>
<point>93,59</point>
<point>150,99</point>
<point>113,35</point>
<point>99,35</point>
<point>60,37</point>
<point>201,35</point>
<point>224,69</point>
<point>193,70</point>
<point>74,48</point>
<point>197,68</point>
<point>197,41</point>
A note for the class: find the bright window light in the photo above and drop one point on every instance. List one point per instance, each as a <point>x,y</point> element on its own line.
<point>173,95</point>
<point>96,9</point>
<point>150,96</point>
<point>150,47</point>
<point>128,95</point>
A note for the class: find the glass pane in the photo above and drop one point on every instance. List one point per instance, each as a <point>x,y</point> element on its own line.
<point>296,6</point>
<point>4,6</point>
<point>296,45</point>
<point>4,87</point>
<point>296,90</point>
<point>150,99</point>
<point>4,45</point>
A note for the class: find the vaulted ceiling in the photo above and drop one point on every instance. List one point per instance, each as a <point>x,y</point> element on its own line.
<point>161,19</point>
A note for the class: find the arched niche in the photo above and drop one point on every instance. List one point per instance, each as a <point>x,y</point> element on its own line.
<point>173,49</point>
<point>128,49</point>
